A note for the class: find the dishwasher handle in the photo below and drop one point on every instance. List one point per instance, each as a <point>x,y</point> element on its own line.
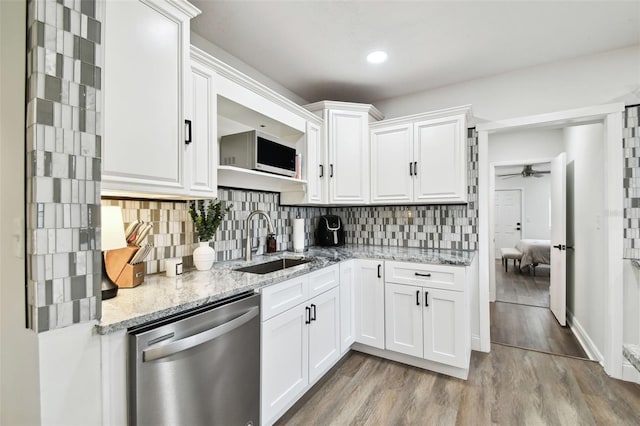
<point>200,338</point>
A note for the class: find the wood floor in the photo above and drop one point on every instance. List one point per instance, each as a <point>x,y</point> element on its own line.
<point>508,386</point>
<point>532,327</point>
<point>516,287</point>
<point>521,316</point>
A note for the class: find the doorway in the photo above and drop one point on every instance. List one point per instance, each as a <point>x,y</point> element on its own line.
<point>610,117</point>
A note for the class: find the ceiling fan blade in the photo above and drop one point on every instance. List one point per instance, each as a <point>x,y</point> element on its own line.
<point>510,174</point>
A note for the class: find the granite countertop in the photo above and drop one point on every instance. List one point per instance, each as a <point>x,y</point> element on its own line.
<point>632,353</point>
<point>160,296</point>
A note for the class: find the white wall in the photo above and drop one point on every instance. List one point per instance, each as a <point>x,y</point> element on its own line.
<point>584,81</point>
<point>586,289</point>
<point>525,145</point>
<point>535,216</point>
<point>229,59</point>
<point>70,376</point>
<point>19,379</point>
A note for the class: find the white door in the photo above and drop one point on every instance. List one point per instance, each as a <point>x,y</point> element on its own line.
<point>403,319</point>
<point>324,332</point>
<point>347,318</point>
<point>316,173</point>
<point>285,360</point>
<point>392,163</point>
<point>444,327</point>
<point>508,219</point>
<point>369,302</point>
<point>558,279</point>
<point>348,157</point>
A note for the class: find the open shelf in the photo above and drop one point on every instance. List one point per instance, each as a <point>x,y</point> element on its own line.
<point>236,177</point>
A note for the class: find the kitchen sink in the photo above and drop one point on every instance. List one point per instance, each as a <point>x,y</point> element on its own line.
<point>274,265</point>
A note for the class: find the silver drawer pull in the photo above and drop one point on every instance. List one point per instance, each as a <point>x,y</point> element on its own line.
<point>418,274</point>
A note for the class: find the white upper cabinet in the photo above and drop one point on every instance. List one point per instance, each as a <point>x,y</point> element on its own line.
<point>421,158</point>
<point>346,131</point>
<point>440,160</point>
<point>201,148</point>
<point>316,162</point>
<point>392,163</point>
<point>146,50</point>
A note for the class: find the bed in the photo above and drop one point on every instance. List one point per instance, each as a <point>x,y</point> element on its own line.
<point>534,253</point>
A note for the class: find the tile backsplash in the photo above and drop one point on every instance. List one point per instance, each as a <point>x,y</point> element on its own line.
<point>631,181</point>
<point>440,226</point>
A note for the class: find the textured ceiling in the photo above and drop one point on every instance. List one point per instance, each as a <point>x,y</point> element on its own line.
<point>317,49</point>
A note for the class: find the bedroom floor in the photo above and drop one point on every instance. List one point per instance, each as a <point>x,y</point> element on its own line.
<point>521,317</point>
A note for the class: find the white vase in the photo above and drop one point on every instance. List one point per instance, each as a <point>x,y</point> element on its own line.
<point>203,256</point>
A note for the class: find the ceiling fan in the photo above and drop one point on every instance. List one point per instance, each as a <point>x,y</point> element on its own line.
<point>527,171</point>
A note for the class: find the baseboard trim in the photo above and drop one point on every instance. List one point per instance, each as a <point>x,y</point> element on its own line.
<point>475,343</point>
<point>584,339</point>
<point>629,373</point>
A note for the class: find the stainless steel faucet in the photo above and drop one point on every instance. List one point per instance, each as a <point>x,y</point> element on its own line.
<point>248,248</point>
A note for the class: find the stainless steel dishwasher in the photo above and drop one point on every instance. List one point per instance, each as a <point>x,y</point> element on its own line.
<point>200,367</point>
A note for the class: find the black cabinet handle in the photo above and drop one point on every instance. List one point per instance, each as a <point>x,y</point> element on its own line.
<point>379,272</point>
<point>321,170</point>
<point>307,319</point>
<point>417,297</point>
<point>187,130</point>
<point>560,247</point>
<point>418,274</point>
<point>426,299</point>
<point>410,169</point>
<point>313,312</point>
<point>330,170</point>
<point>415,168</point>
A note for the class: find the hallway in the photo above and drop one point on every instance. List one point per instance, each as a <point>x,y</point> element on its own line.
<point>521,317</point>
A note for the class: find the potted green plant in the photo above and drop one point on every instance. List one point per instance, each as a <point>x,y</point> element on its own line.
<point>206,217</point>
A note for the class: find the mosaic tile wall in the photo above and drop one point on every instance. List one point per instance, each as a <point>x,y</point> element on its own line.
<point>63,162</point>
<point>436,226</point>
<point>631,146</point>
<point>173,234</point>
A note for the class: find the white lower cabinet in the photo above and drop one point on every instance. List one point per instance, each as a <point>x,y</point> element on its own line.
<point>369,302</point>
<point>347,313</point>
<point>426,323</point>
<point>285,360</point>
<point>424,320</point>
<point>300,344</point>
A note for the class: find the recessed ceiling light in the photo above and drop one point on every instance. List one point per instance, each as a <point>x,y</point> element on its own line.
<point>377,57</point>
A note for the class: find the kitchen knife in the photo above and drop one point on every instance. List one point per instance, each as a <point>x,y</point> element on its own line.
<point>135,233</point>
<point>132,227</point>
<point>143,234</point>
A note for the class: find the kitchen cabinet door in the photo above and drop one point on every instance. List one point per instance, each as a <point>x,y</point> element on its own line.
<point>347,313</point>
<point>201,149</point>
<point>445,325</point>
<point>146,52</point>
<point>392,163</point>
<point>316,165</point>
<point>285,361</point>
<point>403,319</point>
<point>348,157</point>
<point>324,333</point>
<point>440,159</point>
<point>369,302</point>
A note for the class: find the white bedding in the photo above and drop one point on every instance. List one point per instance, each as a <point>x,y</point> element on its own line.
<point>534,252</point>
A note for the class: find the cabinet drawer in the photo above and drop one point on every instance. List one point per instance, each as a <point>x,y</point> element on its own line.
<point>285,295</point>
<point>447,277</point>
<point>323,280</point>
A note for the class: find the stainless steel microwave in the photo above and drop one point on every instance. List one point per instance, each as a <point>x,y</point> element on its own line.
<point>257,151</point>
